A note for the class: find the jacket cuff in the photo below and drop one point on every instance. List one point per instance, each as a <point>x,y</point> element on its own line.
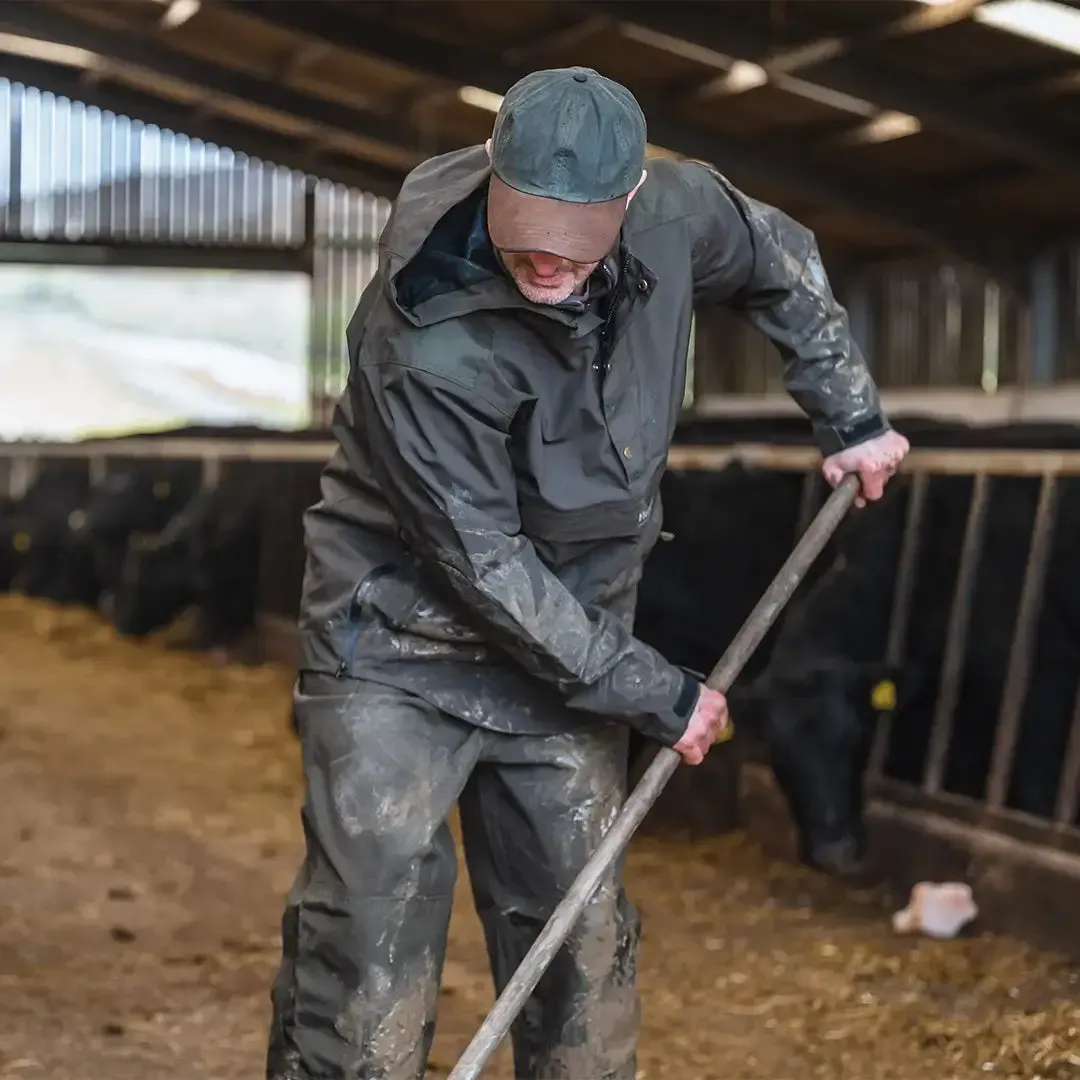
<point>668,728</point>
<point>832,439</point>
<point>687,699</point>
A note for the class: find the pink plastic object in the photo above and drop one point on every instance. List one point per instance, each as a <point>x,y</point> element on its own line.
<point>938,910</point>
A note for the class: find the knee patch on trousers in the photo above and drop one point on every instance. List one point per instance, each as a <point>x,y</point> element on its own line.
<point>359,987</point>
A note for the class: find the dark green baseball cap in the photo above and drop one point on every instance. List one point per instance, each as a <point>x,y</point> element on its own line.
<point>567,148</point>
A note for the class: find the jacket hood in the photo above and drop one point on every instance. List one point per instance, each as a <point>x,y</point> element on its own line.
<point>448,279</point>
<point>434,187</point>
<point>436,264</point>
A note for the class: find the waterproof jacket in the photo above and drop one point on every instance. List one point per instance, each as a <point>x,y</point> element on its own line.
<point>483,523</point>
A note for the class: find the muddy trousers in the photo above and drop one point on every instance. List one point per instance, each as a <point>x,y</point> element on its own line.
<point>365,928</point>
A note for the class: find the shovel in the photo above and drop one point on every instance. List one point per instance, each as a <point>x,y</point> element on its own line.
<point>511,1001</point>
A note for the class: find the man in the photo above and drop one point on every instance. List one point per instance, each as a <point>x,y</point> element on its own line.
<point>516,372</point>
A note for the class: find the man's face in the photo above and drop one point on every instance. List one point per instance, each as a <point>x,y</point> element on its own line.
<point>545,279</point>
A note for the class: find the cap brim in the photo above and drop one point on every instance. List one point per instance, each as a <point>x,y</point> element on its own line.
<point>581,232</point>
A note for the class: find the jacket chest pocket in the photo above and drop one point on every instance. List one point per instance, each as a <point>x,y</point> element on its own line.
<point>635,519</point>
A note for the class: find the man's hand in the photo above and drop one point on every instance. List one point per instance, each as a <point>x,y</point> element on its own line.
<point>708,720</point>
<point>874,461</point>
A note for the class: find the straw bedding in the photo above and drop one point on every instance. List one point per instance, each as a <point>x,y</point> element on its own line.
<point>150,831</point>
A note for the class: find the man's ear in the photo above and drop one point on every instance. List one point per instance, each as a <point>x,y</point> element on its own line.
<point>637,186</point>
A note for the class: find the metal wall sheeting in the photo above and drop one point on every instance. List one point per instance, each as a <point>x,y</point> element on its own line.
<point>75,181</point>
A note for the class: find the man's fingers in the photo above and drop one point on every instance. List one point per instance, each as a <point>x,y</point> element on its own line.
<point>873,484</point>
<point>833,474</point>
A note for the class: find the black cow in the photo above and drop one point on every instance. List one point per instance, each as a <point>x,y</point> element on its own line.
<point>35,534</point>
<point>816,702</point>
<point>133,497</point>
<point>75,537</point>
<point>730,531</point>
<point>813,692</point>
<point>8,554</point>
<point>207,557</point>
<point>726,534</point>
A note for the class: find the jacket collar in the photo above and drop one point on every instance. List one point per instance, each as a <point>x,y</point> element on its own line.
<point>429,193</point>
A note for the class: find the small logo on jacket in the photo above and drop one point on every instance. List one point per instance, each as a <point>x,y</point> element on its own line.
<point>645,514</point>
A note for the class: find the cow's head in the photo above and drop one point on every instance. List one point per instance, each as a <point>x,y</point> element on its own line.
<point>818,726</point>
<point>137,499</point>
<point>156,582</point>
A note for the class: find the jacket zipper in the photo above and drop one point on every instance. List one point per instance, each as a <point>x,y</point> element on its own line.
<point>355,616</point>
<point>609,320</point>
<point>353,633</point>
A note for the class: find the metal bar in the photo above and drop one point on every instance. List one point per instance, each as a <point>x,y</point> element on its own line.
<point>46,201</point>
<point>1023,646</point>
<point>1045,326</point>
<point>64,136</point>
<point>98,465</point>
<point>935,462</point>
<point>319,311</point>
<point>1039,832</point>
<point>1068,795</point>
<point>999,858</point>
<point>105,196</point>
<point>307,242</point>
<point>172,182</point>
<point>956,642</point>
<point>123,252</point>
<point>265,231</point>
<point>23,471</point>
<point>15,161</point>
<point>6,91</point>
<point>901,609</point>
<point>230,222</point>
<point>136,146</point>
<point>178,449</point>
<point>248,175</point>
<point>211,471</point>
<point>942,462</point>
<point>1057,402</point>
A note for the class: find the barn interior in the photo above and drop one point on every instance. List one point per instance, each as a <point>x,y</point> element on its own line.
<point>191,199</point>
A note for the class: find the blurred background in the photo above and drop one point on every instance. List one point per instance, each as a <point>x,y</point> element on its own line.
<point>191,198</point>
<point>247,150</point>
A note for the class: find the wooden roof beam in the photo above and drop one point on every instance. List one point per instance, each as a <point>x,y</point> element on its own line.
<point>956,114</point>
<point>181,119</point>
<point>830,47</point>
<point>321,116</point>
<point>463,66</point>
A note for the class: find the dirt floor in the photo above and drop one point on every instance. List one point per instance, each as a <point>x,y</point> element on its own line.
<point>150,831</point>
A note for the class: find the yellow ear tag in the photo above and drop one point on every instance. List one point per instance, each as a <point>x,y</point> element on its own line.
<point>162,489</point>
<point>883,696</point>
<point>20,541</point>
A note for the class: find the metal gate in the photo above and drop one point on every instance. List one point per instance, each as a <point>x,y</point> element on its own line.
<point>1049,845</point>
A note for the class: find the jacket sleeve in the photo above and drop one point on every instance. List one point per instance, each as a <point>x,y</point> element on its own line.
<point>440,454</point>
<point>761,261</point>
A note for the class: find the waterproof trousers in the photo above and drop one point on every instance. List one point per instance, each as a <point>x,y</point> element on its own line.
<point>365,928</point>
